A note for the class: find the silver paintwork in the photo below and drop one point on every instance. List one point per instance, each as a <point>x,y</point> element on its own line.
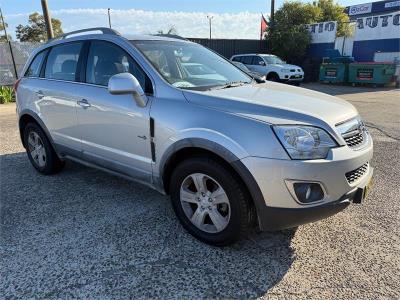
<point>89,124</point>
<point>198,202</point>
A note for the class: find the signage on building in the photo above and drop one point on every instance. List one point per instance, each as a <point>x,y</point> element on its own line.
<point>324,32</point>
<point>360,9</point>
<point>386,26</point>
<point>392,4</point>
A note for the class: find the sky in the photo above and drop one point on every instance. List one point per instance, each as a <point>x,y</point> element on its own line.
<point>231,18</point>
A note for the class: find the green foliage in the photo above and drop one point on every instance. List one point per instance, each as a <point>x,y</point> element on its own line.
<point>35,31</point>
<point>171,30</point>
<point>2,33</point>
<point>288,36</point>
<point>6,94</point>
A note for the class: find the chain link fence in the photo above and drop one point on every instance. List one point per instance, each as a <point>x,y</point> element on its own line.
<point>21,52</point>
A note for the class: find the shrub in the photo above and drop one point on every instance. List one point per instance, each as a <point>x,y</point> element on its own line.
<point>6,94</point>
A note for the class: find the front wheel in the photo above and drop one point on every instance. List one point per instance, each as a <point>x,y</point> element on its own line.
<point>273,77</point>
<point>209,201</point>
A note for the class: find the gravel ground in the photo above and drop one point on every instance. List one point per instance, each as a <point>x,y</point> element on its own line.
<point>86,234</point>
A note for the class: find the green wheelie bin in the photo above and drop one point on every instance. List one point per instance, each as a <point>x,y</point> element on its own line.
<point>374,73</point>
<point>333,72</point>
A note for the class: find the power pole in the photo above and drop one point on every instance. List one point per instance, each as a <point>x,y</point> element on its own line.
<point>272,18</point>
<point>47,20</point>
<point>109,18</point>
<point>9,45</point>
<point>209,20</point>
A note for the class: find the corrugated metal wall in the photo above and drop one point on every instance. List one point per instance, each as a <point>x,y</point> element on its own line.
<point>228,48</point>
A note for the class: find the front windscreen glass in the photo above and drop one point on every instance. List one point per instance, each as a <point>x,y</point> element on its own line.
<point>272,59</point>
<point>190,66</point>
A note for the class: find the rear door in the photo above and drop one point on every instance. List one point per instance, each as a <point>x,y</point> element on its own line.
<point>58,93</point>
<point>115,132</point>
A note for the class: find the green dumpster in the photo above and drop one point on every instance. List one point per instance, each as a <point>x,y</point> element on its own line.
<point>333,72</point>
<point>371,73</point>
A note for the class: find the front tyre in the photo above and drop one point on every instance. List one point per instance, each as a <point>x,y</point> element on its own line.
<point>209,201</point>
<point>40,152</point>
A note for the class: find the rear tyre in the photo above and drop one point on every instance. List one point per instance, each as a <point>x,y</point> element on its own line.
<point>209,201</point>
<point>40,152</point>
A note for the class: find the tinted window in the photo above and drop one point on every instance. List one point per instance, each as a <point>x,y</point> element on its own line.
<point>247,60</point>
<point>237,58</point>
<point>257,60</point>
<point>63,61</point>
<point>106,59</point>
<point>34,68</point>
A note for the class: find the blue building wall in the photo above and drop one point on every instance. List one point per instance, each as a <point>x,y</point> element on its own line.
<point>317,50</point>
<point>365,50</point>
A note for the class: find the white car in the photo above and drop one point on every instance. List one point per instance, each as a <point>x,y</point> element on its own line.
<point>271,66</point>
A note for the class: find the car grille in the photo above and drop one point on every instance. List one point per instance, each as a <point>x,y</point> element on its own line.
<point>292,70</point>
<point>355,140</point>
<point>354,133</point>
<point>356,174</point>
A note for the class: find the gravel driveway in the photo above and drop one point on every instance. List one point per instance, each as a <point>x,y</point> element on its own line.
<point>87,234</point>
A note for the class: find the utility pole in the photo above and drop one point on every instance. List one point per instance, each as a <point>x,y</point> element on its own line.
<point>209,20</point>
<point>109,17</point>
<point>47,20</point>
<point>9,45</point>
<point>272,18</point>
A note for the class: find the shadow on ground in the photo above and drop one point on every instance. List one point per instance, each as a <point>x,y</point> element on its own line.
<point>337,90</point>
<point>83,233</point>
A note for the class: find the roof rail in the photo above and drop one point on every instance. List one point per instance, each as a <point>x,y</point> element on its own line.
<point>104,30</point>
<point>172,36</point>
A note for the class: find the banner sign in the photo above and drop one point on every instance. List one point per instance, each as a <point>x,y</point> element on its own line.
<point>360,9</point>
<point>324,32</point>
<point>378,27</point>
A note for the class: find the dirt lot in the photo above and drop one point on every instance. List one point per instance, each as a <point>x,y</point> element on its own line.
<point>86,234</point>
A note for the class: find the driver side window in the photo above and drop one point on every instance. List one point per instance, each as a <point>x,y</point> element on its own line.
<point>106,59</point>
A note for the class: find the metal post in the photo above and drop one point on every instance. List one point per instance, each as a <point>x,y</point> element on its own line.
<point>109,18</point>
<point>272,18</point>
<point>9,45</point>
<point>209,20</point>
<point>47,20</point>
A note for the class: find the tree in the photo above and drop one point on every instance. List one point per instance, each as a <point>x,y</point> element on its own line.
<point>289,36</point>
<point>35,31</point>
<point>171,31</point>
<point>2,34</point>
<point>330,11</point>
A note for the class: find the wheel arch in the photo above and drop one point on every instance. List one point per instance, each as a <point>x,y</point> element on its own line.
<point>28,116</point>
<point>199,147</point>
<point>272,73</point>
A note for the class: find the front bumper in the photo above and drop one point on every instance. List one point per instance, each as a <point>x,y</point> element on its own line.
<point>280,208</point>
<point>292,77</point>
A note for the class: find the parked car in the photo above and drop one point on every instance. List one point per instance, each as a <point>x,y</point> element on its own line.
<point>272,67</point>
<point>259,77</point>
<point>231,153</point>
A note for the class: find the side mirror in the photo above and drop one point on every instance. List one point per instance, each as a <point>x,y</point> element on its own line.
<point>126,83</point>
<point>261,63</point>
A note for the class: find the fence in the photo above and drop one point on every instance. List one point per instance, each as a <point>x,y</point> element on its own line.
<point>21,53</point>
<point>227,48</point>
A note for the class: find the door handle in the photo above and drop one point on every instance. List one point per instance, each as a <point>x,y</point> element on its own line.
<point>83,103</point>
<point>40,94</point>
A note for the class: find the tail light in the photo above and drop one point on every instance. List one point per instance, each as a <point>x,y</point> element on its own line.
<point>16,84</point>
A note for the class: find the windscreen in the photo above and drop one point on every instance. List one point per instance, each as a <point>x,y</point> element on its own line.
<point>190,66</point>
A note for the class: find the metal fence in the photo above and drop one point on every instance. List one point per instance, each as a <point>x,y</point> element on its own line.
<point>21,53</point>
<point>228,48</point>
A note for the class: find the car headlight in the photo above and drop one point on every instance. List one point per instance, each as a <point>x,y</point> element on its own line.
<point>304,142</point>
<point>285,70</point>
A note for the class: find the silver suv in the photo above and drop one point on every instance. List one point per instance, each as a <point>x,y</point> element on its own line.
<point>232,153</point>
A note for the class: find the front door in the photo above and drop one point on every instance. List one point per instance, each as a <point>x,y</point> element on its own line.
<point>115,132</point>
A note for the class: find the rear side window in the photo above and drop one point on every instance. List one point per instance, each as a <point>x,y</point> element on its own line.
<point>62,61</point>
<point>35,66</point>
<point>106,59</point>
<point>247,60</point>
<point>237,58</point>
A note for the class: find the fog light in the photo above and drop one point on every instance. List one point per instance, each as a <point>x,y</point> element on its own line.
<point>308,192</point>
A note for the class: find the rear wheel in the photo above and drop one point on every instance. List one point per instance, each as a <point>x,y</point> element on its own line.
<point>209,201</point>
<point>40,152</point>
